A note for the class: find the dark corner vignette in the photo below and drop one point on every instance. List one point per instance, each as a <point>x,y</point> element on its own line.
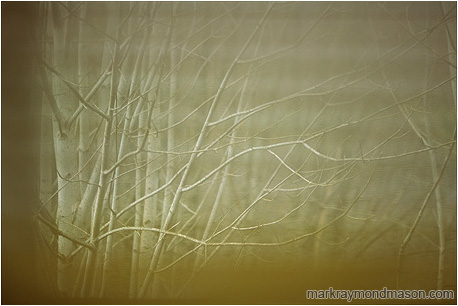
<point>19,148</point>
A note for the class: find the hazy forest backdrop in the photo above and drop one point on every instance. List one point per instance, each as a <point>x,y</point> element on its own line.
<point>238,152</point>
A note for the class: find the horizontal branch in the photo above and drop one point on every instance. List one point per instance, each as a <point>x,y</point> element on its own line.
<point>148,229</point>
<point>252,149</point>
<point>220,244</point>
<point>365,159</point>
<point>57,231</point>
<point>303,142</point>
<point>206,243</point>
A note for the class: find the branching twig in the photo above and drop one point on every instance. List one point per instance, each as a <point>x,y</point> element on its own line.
<point>420,213</point>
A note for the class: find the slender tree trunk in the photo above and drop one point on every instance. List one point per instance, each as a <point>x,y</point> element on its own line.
<point>451,44</point>
<point>48,184</point>
<point>83,118</point>
<point>435,175</point>
<point>139,192</point>
<point>88,288</point>
<point>65,145</point>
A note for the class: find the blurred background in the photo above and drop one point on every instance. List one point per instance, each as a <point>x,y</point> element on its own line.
<point>227,152</point>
